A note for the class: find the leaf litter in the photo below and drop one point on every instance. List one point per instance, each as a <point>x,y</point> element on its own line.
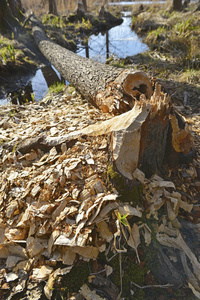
<point>54,203</point>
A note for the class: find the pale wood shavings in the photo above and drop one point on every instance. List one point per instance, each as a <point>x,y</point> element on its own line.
<point>57,203</point>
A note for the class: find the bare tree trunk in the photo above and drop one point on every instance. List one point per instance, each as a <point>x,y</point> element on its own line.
<point>15,6</point>
<point>177,5</point>
<point>148,135</point>
<point>8,14</point>
<point>107,45</point>
<point>112,89</point>
<point>53,7</point>
<point>84,4</point>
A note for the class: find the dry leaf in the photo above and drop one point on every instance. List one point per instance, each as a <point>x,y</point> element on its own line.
<point>11,277</point>
<point>48,289</point>
<point>12,209</point>
<point>195,292</point>
<point>68,256</point>
<point>147,234</point>
<point>34,247</point>
<point>130,211</point>
<point>12,261</point>
<point>134,239</point>
<point>41,274</point>
<point>88,252</point>
<point>104,231</point>
<point>139,175</point>
<point>88,294</point>
<point>109,270</point>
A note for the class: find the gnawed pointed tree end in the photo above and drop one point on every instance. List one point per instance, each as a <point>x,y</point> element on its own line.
<point>120,94</point>
<point>147,131</point>
<point>149,135</point>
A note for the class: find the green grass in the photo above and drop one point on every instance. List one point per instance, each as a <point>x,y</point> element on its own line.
<point>184,26</point>
<point>84,24</point>
<point>57,88</point>
<point>190,76</point>
<point>54,21</point>
<point>7,53</point>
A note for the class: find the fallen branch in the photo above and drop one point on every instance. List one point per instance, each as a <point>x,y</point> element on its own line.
<point>164,286</point>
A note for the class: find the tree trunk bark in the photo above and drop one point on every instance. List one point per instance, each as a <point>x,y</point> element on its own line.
<point>15,6</point>
<point>8,12</point>
<point>111,89</point>
<point>145,137</point>
<point>53,7</point>
<point>84,4</point>
<point>177,5</point>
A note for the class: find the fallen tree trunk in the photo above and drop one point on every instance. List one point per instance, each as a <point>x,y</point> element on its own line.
<point>111,89</point>
<point>145,137</point>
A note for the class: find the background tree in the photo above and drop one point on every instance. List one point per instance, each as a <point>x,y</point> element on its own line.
<point>53,7</point>
<point>84,4</point>
<point>15,7</point>
<point>10,13</point>
<point>177,5</point>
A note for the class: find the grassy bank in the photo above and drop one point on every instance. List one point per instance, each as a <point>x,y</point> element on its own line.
<point>173,38</point>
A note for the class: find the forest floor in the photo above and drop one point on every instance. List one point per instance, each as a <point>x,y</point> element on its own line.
<point>64,229</point>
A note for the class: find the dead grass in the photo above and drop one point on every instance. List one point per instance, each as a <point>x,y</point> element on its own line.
<point>63,6</point>
<point>173,38</point>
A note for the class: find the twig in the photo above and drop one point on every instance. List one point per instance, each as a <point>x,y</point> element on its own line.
<point>152,286</point>
<point>96,273</point>
<point>107,251</point>
<point>120,271</point>
<point>8,23</point>
<point>102,292</point>
<point>27,19</point>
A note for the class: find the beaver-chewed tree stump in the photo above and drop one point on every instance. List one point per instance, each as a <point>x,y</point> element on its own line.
<point>147,131</point>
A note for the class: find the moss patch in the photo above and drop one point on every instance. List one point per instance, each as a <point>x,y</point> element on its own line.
<point>71,282</point>
<point>128,191</point>
<point>131,272</point>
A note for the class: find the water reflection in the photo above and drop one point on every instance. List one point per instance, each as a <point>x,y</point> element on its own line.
<point>36,87</point>
<point>43,79</point>
<point>119,41</point>
<point>22,95</point>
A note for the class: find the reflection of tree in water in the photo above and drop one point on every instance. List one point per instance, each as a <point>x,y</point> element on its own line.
<point>99,48</point>
<point>107,45</point>
<point>26,94</point>
<point>21,96</point>
<point>119,41</point>
<point>50,75</point>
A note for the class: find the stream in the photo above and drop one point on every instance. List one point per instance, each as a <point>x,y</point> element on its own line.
<point>120,41</point>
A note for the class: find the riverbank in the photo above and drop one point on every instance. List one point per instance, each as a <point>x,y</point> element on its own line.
<point>174,56</point>
<point>20,57</point>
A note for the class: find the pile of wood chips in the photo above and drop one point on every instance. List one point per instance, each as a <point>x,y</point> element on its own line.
<point>55,206</point>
